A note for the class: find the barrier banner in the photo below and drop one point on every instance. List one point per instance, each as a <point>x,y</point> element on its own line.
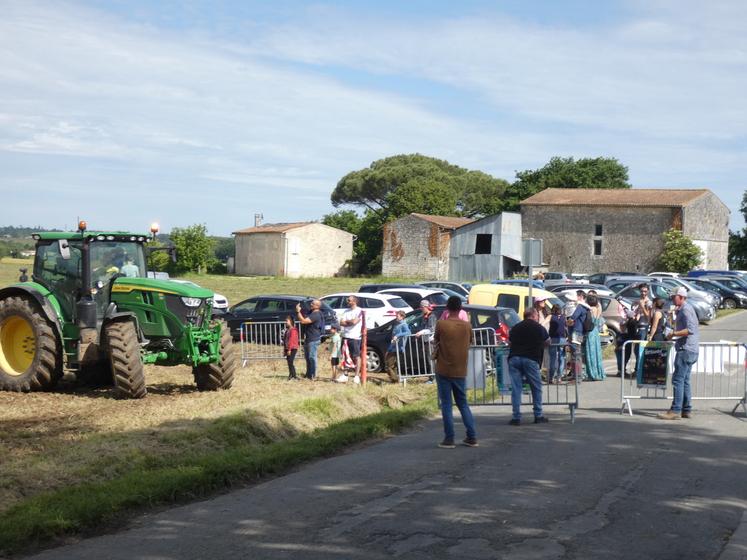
<point>653,367</point>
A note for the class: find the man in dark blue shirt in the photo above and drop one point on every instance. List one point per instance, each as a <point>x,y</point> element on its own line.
<point>313,335</point>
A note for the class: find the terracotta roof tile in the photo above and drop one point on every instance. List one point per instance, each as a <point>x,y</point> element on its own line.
<point>448,222</point>
<point>273,228</point>
<point>615,197</point>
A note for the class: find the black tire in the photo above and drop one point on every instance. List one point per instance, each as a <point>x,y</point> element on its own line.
<point>730,303</point>
<point>38,364</point>
<point>211,377</point>
<point>124,356</point>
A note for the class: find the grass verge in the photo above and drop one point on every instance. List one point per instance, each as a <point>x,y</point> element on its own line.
<point>86,507</point>
<point>721,313</point>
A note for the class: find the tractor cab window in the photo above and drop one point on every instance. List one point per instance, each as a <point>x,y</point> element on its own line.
<point>61,276</point>
<point>116,257</point>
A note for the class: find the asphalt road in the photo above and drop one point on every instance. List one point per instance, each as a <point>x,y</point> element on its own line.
<point>608,486</point>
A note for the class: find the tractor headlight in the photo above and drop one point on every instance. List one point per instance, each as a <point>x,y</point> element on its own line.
<point>191,301</point>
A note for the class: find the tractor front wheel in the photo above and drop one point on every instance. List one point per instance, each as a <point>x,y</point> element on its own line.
<point>124,356</point>
<point>30,357</point>
<point>219,375</point>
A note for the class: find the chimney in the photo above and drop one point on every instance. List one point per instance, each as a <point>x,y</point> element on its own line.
<point>258,220</point>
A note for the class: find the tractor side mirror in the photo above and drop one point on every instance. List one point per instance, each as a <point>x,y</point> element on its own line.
<point>64,249</point>
<point>24,277</point>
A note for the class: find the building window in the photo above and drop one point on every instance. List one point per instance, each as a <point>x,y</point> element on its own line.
<point>598,230</point>
<point>482,243</point>
<point>597,247</point>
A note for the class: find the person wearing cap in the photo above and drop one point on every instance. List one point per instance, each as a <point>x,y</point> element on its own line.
<point>540,303</point>
<point>686,354</point>
<point>429,321</point>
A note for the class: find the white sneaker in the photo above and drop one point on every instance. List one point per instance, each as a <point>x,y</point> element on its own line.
<point>342,378</point>
<point>357,380</point>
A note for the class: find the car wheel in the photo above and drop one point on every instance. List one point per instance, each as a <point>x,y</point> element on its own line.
<point>730,303</point>
<point>373,360</point>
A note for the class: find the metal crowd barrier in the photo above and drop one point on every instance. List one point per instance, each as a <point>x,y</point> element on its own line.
<point>488,381</point>
<point>719,374</point>
<point>491,385</point>
<point>263,341</point>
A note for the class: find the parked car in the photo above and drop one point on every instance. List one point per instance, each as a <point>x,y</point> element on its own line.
<point>696,273</point>
<point>413,296</point>
<point>703,309</point>
<point>378,339</point>
<point>272,308</point>
<point>557,278</point>
<point>459,287</point>
<point>513,297</point>
<point>730,298</point>
<point>373,288</point>
<point>379,308</point>
<point>220,302</point>
<point>448,293</point>
<point>521,282</point>
<point>661,274</point>
<point>601,289</point>
<point>693,294</point>
<point>714,298</point>
<point>733,282</point>
<point>580,278</point>
<point>602,277</point>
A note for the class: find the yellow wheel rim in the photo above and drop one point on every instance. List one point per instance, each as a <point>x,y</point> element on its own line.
<point>17,345</point>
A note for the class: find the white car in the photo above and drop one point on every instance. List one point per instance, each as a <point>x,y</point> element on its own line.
<point>413,296</point>
<point>220,302</point>
<point>379,308</point>
<point>571,293</point>
<point>664,274</point>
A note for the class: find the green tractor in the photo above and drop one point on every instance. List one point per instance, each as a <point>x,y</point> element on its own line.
<point>91,308</point>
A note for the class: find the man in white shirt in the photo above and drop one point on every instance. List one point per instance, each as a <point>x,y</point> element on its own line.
<point>352,325</point>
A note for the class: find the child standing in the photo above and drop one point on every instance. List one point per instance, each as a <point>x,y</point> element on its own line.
<point>335,343</point>
<point>290,346</point>
<point>558,340</point>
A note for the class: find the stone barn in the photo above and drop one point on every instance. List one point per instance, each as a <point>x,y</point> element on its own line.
<point>609,230</point>
<point>419,245</point>
<point>295,250</point>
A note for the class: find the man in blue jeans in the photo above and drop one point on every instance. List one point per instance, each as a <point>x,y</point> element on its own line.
<point>313,334</point>
<point>686,354</point>
<point>453,337</point>
<point>527,340</point>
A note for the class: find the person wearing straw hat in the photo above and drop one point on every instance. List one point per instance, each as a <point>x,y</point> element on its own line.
<point>686,354</point>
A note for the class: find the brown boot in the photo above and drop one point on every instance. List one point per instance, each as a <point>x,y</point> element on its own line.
<point>687,414</point>
<point>668,415</point>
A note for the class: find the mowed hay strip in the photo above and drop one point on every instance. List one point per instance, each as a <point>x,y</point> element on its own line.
<point>54,440</point>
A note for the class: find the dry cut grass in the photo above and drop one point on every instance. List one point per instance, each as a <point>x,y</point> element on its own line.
<point>75,435</point>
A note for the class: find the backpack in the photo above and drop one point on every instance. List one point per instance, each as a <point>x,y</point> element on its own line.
<point>588,322</point>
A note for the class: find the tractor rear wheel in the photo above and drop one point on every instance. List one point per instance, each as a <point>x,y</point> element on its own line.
<point>124,355</point>
<point>211,377</point>
<point>30,355</point>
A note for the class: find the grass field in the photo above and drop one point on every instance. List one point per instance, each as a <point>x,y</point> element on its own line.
<point>77,460</point>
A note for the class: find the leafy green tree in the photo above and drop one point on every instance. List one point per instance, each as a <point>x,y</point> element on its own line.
<point>368,241</point>
<point>193,248</point>
<point>738,241</point>
<point>224,247</point>
<point>567,173</point>
<point>346,220</point>
<point>680,254</point>
<point>426,196</point>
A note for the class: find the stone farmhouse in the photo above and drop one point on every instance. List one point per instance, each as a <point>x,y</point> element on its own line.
<point>295,250</point>
<point>608,230</point>
<point>452,248</point>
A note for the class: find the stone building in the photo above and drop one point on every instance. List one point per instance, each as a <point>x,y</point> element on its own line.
<point>419,245</point>
<point>295,250</point>
<point>609,230</point>
<point>449,248</point>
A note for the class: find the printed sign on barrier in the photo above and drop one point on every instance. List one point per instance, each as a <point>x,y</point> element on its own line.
<point>653,367</point>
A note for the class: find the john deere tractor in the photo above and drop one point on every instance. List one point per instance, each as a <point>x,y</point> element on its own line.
<point>90,307</point>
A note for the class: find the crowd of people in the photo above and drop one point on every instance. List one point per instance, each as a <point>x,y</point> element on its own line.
<point>541,337</point>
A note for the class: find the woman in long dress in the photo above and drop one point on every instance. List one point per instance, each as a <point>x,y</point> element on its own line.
<point>592,343</point>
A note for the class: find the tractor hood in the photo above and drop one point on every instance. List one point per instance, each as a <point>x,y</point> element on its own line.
<point>124,285</point>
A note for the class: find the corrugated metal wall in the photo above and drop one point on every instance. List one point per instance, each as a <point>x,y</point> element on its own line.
<point>465,265</point>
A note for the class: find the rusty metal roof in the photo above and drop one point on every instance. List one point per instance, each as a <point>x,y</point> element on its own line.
<point>448,222</point>
<point>615,197</point>
<point>272,228</point>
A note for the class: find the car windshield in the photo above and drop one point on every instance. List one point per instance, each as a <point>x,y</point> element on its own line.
<point>397,302</point>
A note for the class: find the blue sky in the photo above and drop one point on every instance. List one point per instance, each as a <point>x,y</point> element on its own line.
<point>183,112</point>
